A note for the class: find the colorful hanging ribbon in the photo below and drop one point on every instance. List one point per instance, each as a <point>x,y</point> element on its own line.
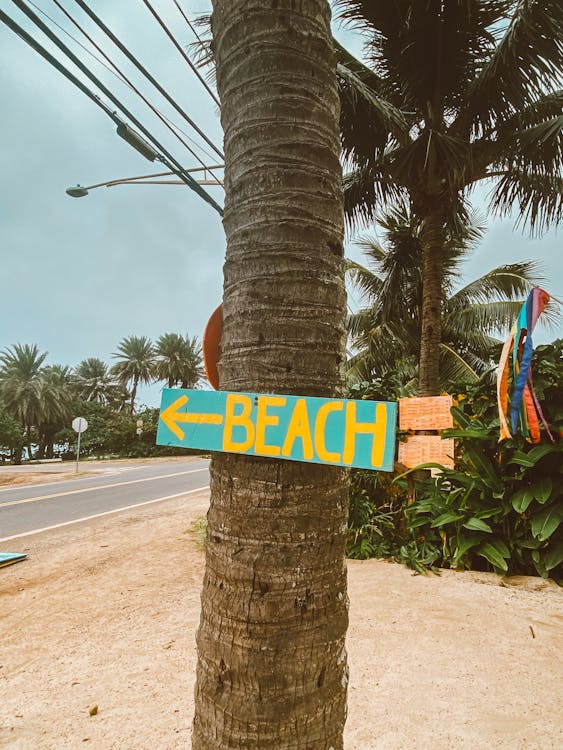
<point>524,405</point>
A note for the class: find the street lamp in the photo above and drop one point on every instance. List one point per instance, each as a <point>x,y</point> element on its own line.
<point>79,191</point>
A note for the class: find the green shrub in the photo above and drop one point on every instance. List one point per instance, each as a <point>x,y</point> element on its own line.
<point>501,508</point>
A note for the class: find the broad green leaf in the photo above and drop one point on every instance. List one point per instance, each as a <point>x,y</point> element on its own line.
<point>533,456</point>
<point>541,489</point>
<point>475,524</point>
<point>522,459</point>
<point>485,468</point>
<point>460,416</point>
<point>539,451</point>
<point>521,499</point>
<point>446,518</point>
<point>418,522</point>
<point>464,544</point>
<point>545,523</point>
<point>429,465</point>
<point>554,556</point>
<point>455,433</point>
<point>495,552</point>
<point>529,543</point>
<point>490,513</point>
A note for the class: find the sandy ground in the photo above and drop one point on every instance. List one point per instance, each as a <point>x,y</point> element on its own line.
<point>104,614</point>
<point>14,479</point>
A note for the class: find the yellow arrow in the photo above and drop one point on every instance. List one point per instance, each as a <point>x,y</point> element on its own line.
<point>171,416</point>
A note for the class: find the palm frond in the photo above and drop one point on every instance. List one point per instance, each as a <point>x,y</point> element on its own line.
<point>372,248</point>
<point>482,318</point>
<point>455,367</point>
<point>367,119</point>
<point>539,148</point>
<point>537,198</point>
<point>509,281</point>
<point>544,108</point>
<point>525,65</point>
<point>367,191</point>
<point>369,284</point>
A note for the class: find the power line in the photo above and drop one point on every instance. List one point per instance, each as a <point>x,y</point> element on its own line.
<point>187,20</point>
<point>181,51</point>
<point>118,75</point>
<point>146,73</point>
<point>75,40</point>
<point>125,79</point>
<point>170,161</point>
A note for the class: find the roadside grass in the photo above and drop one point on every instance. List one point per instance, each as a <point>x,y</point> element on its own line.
<point>197,530</point>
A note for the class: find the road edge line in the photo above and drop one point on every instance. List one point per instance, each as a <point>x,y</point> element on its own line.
<point>105,513</point>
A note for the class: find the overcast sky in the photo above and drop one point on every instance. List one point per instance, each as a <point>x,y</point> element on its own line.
<point>77,275</point>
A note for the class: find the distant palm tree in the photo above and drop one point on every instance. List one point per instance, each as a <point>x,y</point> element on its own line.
<point>178,360</point>
<point>21,386</point>
<point>452,94</point>
<point>135,365</point>
<point>386,333</point>
<point>56,399</point>
<point>93,381</point>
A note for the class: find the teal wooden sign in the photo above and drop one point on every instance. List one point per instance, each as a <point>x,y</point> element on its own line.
<point>334,431</point>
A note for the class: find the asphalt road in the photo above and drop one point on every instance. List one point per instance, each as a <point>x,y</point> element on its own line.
<point>32,508</point>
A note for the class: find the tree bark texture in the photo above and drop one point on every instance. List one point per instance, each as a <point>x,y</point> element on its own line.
<point>272,670</point>
<point>433,236</point>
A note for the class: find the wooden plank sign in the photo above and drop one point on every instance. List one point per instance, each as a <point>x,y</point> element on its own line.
<point>422,449</point>
<point>340,432</point>
<point>425,413</point>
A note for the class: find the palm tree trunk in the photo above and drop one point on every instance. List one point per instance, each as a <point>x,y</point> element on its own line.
<point>29,449</point>
<point>433,235</point>
<point>272,670</point>
<point>134,394</point>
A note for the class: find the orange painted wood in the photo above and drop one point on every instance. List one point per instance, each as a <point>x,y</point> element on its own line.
<point>422,449</point>
<point>425,413</point>
<point>212,346</point>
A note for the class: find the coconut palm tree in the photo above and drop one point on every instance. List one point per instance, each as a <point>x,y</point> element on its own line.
<point>135,365</point>
<point>92,381</point>
<point>271,659</point>
<point>56,399</point>
<point>386,332</point>
<point>452,93</point>
<point>21,386</point>
<point>178,360</point>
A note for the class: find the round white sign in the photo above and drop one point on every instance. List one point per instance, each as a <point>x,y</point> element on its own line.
<point>79,425</point>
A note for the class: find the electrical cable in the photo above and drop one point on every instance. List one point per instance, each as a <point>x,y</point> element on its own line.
<point>170,161</point>
<point>13,26</point>
<point>187,20</point>
<point>181,51</point>
<point>75,40</point>
<point>119,76</point>
<point>146,73</point>
<point>127,81</point>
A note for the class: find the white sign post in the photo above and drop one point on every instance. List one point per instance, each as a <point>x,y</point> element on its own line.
<point>79,425</point>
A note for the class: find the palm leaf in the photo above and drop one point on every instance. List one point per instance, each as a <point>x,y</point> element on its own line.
<point>367,191</point>
<point>454,366</point>
<point>508,281</point>
<point>537,198</point>
<point>525,64</point>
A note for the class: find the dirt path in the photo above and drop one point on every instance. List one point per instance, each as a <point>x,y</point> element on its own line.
<point>104,614</point>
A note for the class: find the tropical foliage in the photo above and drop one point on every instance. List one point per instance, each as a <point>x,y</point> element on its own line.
<point>38,401</point>
<point>451,94</point>
<point>178,360</point>
<point>135,365</point>
<point>500,509</point>
<point>386,332</point>
<point>94,382</point>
